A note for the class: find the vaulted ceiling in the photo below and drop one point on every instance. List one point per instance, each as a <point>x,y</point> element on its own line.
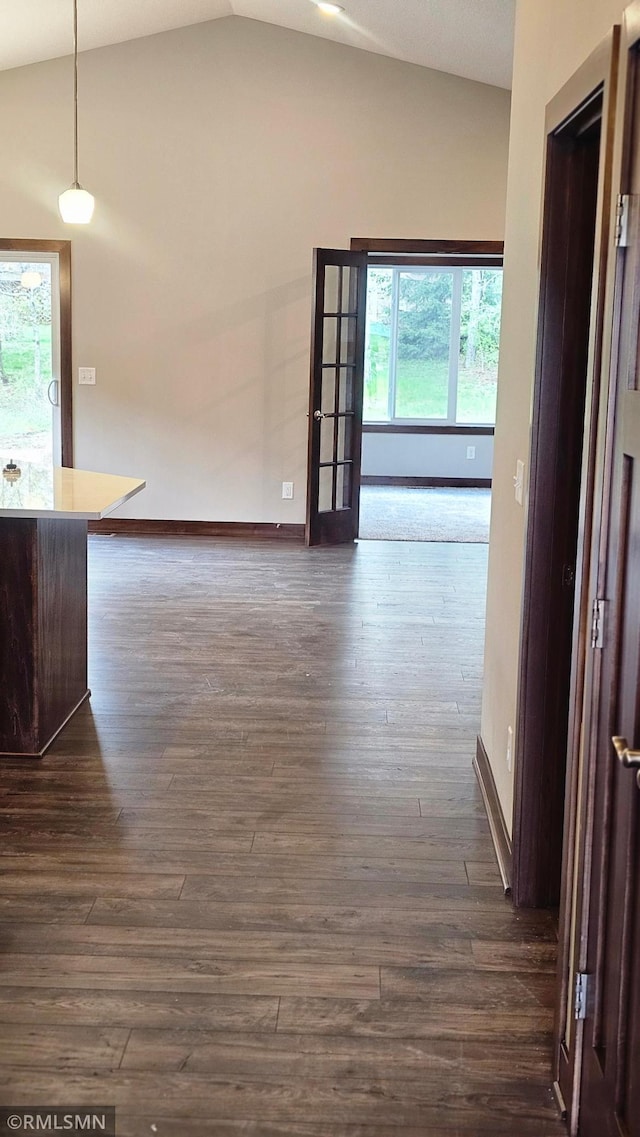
<point>472,38</point>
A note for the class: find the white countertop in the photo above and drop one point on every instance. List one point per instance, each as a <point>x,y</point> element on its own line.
<point>56,491</point>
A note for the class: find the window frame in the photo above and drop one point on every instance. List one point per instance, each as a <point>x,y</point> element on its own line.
<point>455,270</point>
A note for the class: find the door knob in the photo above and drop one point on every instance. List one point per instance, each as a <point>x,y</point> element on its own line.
<point>318,415</point>
<point>629,758</point>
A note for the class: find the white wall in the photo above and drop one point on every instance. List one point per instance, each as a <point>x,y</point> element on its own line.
<point>427,455</point>
<point>553,38</point>
<point>219,156</point>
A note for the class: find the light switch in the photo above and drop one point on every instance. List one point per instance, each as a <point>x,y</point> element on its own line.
<point>518,482</point>
<point>87,375</point>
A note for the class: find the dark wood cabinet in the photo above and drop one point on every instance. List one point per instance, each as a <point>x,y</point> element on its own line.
<point>43,629</point>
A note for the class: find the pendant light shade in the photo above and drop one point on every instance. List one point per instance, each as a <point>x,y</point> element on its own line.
<point>76,204</point>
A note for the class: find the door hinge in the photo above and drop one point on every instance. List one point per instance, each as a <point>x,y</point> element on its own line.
<point>623,209</point>
<point>581,991</point>
<point>598,615</point>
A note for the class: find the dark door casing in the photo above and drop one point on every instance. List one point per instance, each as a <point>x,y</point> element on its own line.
<point>555,481</point>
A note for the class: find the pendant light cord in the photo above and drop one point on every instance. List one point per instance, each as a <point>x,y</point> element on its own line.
<point>75,204</point>
<point>75,93</point>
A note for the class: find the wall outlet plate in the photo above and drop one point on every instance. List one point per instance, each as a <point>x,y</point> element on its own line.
<point>471,451</point>
<point>287,490</point>
<point>87,375</point>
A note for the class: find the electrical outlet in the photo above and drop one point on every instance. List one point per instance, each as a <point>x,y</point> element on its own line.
<point>471,451</point>
<point>287,490</point>
<point>509,748</point>
<point>87,375</point>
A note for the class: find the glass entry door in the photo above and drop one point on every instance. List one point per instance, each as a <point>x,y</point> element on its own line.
<point>30,371</point>
<point>335,404</point>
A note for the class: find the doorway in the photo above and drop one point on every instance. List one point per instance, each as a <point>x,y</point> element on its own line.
<point>560,474</point>
<point>35,352</point>
<point>423,333</point>
<point>430,386</point>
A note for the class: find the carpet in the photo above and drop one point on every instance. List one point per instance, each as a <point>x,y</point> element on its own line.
<point>396,513</point>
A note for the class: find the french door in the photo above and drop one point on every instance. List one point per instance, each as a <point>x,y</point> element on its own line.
<point>335,401</point>
<point>610,1089</point>
<point>35,364</point>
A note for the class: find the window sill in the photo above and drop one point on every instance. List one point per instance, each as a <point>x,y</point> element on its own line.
<point>424,428</point>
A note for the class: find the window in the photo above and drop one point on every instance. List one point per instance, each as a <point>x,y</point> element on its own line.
<point>432,344</point>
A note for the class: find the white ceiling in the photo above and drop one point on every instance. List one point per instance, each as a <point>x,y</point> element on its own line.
<point>473,38</point>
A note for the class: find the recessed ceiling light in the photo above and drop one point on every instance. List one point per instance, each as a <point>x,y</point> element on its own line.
<point>329,9</point>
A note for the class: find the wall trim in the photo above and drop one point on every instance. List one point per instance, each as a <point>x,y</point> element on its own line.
<point>147,527</point>
<point>400,480</point>
<point>416,428</point>
<point>499,833</point>
<point>398,260</point>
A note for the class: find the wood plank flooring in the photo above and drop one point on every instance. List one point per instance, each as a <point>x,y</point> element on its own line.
<point>251,889</point>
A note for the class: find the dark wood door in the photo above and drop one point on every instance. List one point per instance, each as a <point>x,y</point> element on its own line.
<point>610,1105</point>
<point>598,73</point>
<point>335,401</point>
<point>610,1097</point>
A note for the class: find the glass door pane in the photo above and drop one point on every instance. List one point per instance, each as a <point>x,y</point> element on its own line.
<point>335,405</point>
<point>29,358</point>
<point>337,390</point>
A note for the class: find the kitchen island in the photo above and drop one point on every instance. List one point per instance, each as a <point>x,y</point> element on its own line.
<point>44,511</point>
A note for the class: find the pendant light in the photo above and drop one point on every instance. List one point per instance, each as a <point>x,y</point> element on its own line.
<point>76,204</point>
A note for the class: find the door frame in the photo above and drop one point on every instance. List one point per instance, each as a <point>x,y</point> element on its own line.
<point>422,253</point>
<point>63,249</point>
<point>392,252</point>
<point>397,247</point>
<point>535,766</point>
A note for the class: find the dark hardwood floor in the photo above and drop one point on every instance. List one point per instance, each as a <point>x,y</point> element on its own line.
<point>251,889</point>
